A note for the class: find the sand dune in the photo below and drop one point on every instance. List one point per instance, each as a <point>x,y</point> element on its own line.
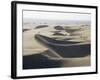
<point>65,49</point>
<point>31,47</point>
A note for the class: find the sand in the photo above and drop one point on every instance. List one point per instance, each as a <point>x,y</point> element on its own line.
<point>32,47</point>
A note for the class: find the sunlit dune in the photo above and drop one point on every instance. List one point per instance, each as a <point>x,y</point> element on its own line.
<point>31,46</point>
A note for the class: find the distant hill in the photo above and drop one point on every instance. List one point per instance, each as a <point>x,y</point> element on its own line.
<point>41,26</point>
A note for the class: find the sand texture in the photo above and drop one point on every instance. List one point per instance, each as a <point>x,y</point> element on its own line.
<point>31,47</point>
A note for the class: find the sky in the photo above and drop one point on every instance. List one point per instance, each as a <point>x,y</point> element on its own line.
<point>56,16</point>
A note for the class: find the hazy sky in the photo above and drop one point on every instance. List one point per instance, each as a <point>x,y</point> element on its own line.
<point>56,16</point>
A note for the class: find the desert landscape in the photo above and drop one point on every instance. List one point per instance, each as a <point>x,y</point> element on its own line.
<point>54,39</point>
<point>35,55</point>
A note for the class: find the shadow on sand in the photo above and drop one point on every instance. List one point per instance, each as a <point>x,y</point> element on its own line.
<point>67,49</point>
<point>39,61</point>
